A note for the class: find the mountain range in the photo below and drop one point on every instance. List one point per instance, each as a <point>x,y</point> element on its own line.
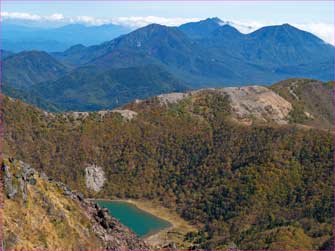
<point>209,53</point>
<point>186,119</point>
<point>18,38</point>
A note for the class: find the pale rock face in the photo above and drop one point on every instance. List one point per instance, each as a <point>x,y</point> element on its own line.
<point>247,102</point>
<point>259,102</point>
<point>308,115</point>
<point>77,115</point>
<point>127,114</point>
<point>171,98</point>
<point>95,177</point>
<point>103,113</point>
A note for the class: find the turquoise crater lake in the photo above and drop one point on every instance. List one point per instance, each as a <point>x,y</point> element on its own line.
<point>140,222</point>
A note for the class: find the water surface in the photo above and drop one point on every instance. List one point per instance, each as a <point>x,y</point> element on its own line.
<point>140,222</point>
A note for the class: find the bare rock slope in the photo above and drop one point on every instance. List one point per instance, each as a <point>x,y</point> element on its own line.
<point>259,102</point>
<point>249,102</point>
<point>301,101</point>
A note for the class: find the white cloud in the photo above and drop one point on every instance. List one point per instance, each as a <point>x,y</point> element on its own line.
<point>133,22</point>
<point>136,22</point>
<point>55,17</point>
<point>20,15</point>
<point>31,17</point>
<point>88,20</point>
<point>323,30</point>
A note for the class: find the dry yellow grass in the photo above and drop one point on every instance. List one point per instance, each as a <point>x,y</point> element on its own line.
<point>47,221</point>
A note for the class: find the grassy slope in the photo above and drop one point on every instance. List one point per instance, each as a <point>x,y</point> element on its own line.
<point>48,220</point>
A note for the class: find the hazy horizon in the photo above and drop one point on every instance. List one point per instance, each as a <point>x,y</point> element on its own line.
<point>316,17</point>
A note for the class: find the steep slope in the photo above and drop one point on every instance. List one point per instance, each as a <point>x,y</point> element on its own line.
<point>226,37</point>
<point>167,47</point>
<point>312,101</point>
<point>30,97</point>
<point>168,42</point>
<point>274,45</point>
<point>179,54</point>
<point>40,213</point>
<point>248,178</point>
<point>73,55</point>
<point>201,29</point>
<point>287,45</point>
<point>24,69</point>
<point>282,49</point>
<point>5,54</point>
<point>91,88</point>
<point>210,53</point>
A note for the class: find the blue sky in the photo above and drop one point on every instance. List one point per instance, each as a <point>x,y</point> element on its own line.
<point>284,11</point>
<point>316,16</point>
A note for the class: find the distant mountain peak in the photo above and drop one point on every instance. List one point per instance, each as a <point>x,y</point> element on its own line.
<point>152,28</point>
<point>213,19</point>
<point>287,25</point>
<point>288,31</point>
<point>201,28</point>
<point>75,48</point>
<point>33,53</point>
<point>155,26</point>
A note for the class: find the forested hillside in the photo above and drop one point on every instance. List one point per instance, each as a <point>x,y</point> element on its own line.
<point>255,178</point>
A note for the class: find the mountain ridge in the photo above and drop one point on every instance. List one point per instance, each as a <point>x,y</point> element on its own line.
<point>223,58</point>
<point>171,150</point>
<point>26,68</point>
<point>111,87</point>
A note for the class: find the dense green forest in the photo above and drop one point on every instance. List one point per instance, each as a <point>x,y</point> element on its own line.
<point>264,186</point>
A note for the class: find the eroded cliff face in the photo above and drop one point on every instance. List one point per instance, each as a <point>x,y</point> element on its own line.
<point>299,101</point>
<point>42,214</point>
<point>248,104</point>
<point>258,102</point>
<point>95,177</point>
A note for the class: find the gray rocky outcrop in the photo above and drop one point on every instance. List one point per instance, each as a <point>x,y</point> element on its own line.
<point>18,181</point>
<point>10,190</point>
<point>258,102</point>
<point>125,113</point>
<point>112,232</point>
<point>248,102</point>
<point>171,98</point>
<point>94,177</point>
